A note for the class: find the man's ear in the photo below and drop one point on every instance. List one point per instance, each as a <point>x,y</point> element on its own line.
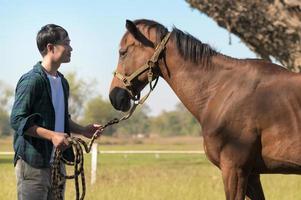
<point>132,28</point>
<point>49,48</point>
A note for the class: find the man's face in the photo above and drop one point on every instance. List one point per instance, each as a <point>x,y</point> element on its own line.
<point>62,51</point>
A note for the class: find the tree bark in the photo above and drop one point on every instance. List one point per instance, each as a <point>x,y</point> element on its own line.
<point>270,28</point>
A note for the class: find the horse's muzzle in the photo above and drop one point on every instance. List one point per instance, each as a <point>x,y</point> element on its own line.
<point>120,99</point>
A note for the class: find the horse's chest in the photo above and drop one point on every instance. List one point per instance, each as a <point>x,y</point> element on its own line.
<point>212,150</point>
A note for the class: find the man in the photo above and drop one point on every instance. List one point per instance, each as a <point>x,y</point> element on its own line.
<point>40,116</point>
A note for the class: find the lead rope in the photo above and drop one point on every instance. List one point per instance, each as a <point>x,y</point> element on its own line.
<point>58,178</point>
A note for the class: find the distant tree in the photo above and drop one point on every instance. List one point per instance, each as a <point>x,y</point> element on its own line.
<point>176,122</point>
<point>5,129</point>
<point>6,93</point>
<point>80,92</point>
<point>139,122</point>
<point>190,125</point>
<point>167,124</point>
<point>100,111</point>
<point>271,28</point>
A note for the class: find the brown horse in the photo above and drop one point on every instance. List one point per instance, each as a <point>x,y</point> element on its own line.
<point>249,109</point>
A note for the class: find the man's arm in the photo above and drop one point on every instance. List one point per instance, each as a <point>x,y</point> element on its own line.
<point>59,140</point>
<point>87,131</point>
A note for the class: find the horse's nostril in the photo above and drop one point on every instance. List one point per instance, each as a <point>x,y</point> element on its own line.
<point>120,99</point>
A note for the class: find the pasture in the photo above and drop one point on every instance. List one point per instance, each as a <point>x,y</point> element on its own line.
<point>151,177</point>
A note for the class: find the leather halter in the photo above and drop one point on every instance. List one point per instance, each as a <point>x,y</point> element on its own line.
<point>149,65</point>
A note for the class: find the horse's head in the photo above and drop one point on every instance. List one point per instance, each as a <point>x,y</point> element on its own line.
<point>140,48</point>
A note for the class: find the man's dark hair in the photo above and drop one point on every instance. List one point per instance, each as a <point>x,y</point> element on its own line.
<point>50,33</point>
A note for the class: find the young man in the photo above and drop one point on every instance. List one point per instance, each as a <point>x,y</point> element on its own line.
<point>40,116</point>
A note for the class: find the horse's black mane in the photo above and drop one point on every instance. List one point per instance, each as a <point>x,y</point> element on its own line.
<point>161,31</point>
<point>191,48</point>
<point>188,46</point>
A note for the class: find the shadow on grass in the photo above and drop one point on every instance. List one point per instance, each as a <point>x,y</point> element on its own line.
<point>6,161</point>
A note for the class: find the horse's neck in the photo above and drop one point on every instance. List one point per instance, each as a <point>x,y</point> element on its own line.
<point>193,84</point>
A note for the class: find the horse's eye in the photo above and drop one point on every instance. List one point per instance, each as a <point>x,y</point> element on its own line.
<point>122,52</point>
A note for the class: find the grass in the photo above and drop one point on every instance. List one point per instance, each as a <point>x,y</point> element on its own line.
<point>148,177</point>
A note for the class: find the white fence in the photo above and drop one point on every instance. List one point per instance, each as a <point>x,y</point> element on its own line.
<point>125,152</point>
<point>7,153</point>
<point>95,151</point>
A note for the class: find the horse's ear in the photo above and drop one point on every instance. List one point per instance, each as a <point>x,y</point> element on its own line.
<point>131,27</point>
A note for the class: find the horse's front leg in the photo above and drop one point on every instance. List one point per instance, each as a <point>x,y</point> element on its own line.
<point>254,188</point>
<point>235,182</point>
<point>236,163</point>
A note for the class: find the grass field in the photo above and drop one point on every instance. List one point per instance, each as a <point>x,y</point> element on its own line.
<point>149,177</point>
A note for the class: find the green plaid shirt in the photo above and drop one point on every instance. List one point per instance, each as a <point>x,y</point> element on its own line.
<point>33,106</point>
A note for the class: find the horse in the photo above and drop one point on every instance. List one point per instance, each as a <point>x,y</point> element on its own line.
<point>249,109</point>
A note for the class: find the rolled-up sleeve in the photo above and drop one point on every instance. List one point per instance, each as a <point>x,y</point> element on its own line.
<point>22,117</point>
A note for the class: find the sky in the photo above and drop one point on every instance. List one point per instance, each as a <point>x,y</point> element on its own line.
<point>95,29</point>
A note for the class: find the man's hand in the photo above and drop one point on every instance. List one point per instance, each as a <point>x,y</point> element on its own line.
<point>91,129</point>
<point>59,140</point>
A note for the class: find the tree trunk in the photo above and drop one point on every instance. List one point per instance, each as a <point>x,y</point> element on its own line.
<point>270,28</point>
